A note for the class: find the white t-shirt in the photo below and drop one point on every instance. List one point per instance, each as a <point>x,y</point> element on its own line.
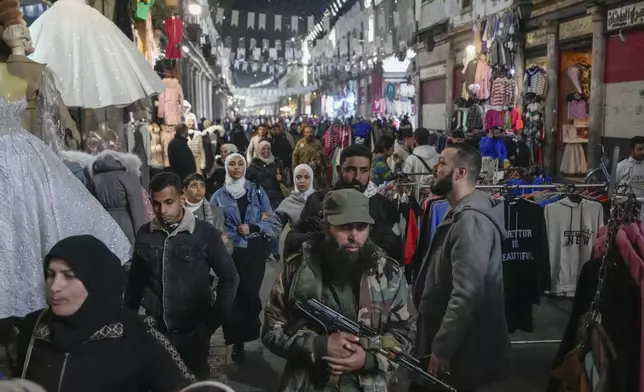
<point>631,170</point>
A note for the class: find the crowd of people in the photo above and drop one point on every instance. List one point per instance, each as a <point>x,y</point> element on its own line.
<point>201,238</point>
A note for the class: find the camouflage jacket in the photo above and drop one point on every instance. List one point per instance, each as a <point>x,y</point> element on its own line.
<point>384,303</point>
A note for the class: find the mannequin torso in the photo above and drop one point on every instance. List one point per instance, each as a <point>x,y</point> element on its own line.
<point>13,88</point>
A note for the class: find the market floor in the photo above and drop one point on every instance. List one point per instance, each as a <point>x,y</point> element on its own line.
<point>261,370</point>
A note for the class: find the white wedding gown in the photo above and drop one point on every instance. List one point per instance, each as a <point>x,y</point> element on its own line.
<point>42,203</point>
<point>98,66</point>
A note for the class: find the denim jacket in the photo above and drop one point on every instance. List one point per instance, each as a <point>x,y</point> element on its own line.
<point>259,213</point>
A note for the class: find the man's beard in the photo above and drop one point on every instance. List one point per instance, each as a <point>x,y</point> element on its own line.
<point>354,184</point>
<point>441,187</point>
<point>344,263</point>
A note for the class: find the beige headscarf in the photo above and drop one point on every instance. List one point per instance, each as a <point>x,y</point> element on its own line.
<point>261,145</point>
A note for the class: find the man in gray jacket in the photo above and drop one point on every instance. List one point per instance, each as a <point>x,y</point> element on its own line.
<point>459,290</point>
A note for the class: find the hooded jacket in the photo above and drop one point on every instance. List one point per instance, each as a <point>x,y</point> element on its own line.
<point>116,185</point>
<point>459,293</point>
<point>493,148</point>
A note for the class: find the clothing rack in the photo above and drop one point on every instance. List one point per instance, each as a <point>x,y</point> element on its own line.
<point>541,186</point>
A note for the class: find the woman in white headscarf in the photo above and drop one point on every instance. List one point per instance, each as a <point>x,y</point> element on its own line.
<point>251,226</point>
<point>290,208</point>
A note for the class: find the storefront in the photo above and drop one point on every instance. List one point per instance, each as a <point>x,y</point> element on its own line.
<point>558,68</point>
<point>431,94</point>
<point>398,95</point>
<point>482,85</point>
<point>624,77</point>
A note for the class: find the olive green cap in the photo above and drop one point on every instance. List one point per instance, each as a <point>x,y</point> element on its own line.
<point>345,206</point>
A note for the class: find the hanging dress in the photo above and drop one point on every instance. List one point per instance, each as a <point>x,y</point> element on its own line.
<point>98,66</point>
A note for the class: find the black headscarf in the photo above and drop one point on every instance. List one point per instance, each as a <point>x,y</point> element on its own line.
<point>102,275</point>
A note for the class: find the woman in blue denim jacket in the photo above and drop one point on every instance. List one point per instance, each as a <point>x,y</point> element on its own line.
<point>251,226</point>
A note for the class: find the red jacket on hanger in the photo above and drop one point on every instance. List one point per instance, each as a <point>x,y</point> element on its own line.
<point>174,31</point>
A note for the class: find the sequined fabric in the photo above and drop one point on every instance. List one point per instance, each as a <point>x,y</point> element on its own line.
<point>52,129</point>
<point>42,203</point>
<point>108,72</point>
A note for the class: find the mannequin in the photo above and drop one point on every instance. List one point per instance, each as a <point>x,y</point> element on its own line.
<point>59,205</point>
<point>13,88</point>
<point>43,98</point>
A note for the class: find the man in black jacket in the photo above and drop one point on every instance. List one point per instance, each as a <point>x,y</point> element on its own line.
<point>354,172</point>
<point>182,162</point>
<point>170,274</point>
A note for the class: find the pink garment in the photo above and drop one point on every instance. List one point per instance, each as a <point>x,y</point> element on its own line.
<point>171,102</point>
<point>599,246</point>
<point>577,109</point>
<point>493,119</point>
<point>482,78</point>
<point>627,236</point>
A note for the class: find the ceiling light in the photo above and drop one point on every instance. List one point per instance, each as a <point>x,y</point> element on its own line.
<point>185,49</point>
<point>194,9</point>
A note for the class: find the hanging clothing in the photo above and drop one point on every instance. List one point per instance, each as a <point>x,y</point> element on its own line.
<point>573,161</point>
<point>526,269</point>
<point>482,78</point>
<point>174,32</point>
<point>577,107</point>
<point>196,146</point>
<point>112,73</point>
<point>535,81</point>
<point>171,102</point>
<point>572,229</point>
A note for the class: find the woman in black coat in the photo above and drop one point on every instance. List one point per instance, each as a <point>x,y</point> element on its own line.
<point>85,340</point>
<point>267,172</point>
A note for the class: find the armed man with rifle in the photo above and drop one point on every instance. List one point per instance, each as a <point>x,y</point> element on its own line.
<point>348,275</point>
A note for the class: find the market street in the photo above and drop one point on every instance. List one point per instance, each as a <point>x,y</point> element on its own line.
<point>262,369</point>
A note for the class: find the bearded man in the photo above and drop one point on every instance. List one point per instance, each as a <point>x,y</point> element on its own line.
<point>459,289</point>
<point>354,172</point>
<point>343,269</point>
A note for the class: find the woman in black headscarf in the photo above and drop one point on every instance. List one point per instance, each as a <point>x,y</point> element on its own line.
<point>86,340</point>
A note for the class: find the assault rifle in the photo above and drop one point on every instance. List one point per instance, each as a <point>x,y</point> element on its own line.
<point>332,321</point>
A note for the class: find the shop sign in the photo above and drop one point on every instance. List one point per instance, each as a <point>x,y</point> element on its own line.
<point>535,38</point>
<point>432,72</point>
<point>576,28</point>
<point>627,16</point>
